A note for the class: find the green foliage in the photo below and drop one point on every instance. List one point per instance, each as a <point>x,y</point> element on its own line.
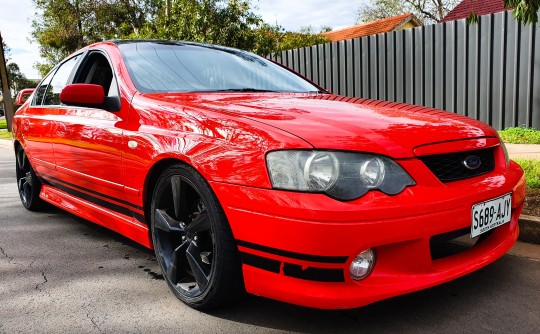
<point>64,26</point>
<point>532,171</point>
<point>223,22</point>
<point>520,135</point>
<point>4,133</point>
<point>472,18</point>
<point>525,11</point>
<point>3,124</point>
<point>17,79</point>
<point>306,37</point>
<point>380,9</point>
<point>44,68</point>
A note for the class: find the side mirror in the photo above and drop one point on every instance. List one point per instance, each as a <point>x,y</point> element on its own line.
<point>82,95</point>
<point>23,95</point>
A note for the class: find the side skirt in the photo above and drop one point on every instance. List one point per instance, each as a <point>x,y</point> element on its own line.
<point>125,225</point>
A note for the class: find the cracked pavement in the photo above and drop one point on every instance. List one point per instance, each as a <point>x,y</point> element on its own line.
<point>61,274</point>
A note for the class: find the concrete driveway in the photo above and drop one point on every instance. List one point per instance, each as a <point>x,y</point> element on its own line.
<point>60,274</point>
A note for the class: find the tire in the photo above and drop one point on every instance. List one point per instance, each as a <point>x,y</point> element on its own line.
<point>193,241</point>
<point>28,183</point>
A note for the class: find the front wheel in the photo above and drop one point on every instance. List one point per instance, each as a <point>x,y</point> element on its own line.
<point>193,241</point>
<point>28,183</point>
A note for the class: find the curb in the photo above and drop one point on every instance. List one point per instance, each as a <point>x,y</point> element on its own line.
<point>523,151</point>
<point>529,229</point>
<point>6,143</point>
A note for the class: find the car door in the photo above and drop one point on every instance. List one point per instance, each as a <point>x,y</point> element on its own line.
<point>38,120</point>
<point>87,141</point>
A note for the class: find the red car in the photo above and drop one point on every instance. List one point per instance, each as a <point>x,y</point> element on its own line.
<point>244,176</point>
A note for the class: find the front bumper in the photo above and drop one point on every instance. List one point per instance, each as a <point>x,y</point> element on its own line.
<point>298,247</point>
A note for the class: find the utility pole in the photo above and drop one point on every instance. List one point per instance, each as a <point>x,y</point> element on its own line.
<point>6,92</point>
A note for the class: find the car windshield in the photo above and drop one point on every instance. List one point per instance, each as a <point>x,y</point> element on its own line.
<point>159,67</point>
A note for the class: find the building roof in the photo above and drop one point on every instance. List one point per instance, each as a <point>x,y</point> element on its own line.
<point>480,7</point>
<point>372,28</point>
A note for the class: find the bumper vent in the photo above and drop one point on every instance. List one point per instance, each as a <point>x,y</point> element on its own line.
<point>454,243</point>
<point>461,165</point>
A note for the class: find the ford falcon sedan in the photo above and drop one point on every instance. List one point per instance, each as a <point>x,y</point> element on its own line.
<point>243,176</point>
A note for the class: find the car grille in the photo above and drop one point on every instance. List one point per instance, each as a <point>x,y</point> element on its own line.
<point>452,166</point>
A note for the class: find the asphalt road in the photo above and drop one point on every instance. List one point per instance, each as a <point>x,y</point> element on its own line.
<point>60,274</point>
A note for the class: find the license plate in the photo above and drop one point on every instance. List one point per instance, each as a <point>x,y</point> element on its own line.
<point>490,214</point>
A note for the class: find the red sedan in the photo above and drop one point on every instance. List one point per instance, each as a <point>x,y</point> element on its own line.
<point>243,176</point>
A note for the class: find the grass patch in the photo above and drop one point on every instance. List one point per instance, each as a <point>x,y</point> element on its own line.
<point>520,136</point>
<point>4,134</point>
<point>532,171</point>
<point>3,124</point>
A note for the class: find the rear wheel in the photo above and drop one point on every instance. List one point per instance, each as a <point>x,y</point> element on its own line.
<point>28,183</point>
<point>193,241</point>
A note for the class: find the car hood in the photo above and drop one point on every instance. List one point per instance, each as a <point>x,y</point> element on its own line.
<point>335,122</point>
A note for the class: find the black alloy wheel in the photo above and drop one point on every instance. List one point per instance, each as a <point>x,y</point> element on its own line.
<point>27,182</point>
<point>193,241</point>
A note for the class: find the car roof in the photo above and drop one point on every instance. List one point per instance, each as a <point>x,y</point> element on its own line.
<point>172,42</point>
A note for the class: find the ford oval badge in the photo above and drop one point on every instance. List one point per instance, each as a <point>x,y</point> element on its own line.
<point>472,162</point>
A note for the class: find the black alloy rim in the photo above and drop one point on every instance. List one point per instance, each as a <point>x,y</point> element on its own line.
<point>184,239</point>
<point>24,177</point>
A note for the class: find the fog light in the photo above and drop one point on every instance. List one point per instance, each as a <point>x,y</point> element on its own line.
<point>362,265</point>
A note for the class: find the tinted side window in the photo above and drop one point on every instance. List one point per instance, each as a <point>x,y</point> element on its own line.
<point>59,81</point>
<point>96,70</point>
<point>40,91</point>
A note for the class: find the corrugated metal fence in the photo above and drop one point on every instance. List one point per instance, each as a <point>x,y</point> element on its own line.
<point>489,71</point>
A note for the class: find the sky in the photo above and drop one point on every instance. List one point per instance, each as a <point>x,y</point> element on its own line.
<point>16,20</point>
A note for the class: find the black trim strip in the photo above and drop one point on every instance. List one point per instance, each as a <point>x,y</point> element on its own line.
<point>313,274</point>
<point>260,262</point>
<point>54,179</point>
<point>92,199</point>
<point>293,270</point>
<point>293,255</point>
<point>138,216</point>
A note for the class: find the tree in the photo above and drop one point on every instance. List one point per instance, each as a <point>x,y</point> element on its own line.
<point>428,11</point>
<point>224,22</point>
<point>305,37</point>
<point>16,79</point>
<point>431,11</point>
<point>64,26</point>
<point>379,9</point>
<point>525,11</point>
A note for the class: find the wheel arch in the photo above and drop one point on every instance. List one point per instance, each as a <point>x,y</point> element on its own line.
<point>152,177</point>
<point>150,182</point>
<point>16,143</point>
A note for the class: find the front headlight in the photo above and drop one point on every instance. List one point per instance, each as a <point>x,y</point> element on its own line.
<point>341,175</point>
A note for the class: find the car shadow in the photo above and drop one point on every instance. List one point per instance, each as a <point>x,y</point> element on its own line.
<point>429,310</point>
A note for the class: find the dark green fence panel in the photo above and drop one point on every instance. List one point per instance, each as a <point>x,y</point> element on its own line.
<point>489,70</point>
